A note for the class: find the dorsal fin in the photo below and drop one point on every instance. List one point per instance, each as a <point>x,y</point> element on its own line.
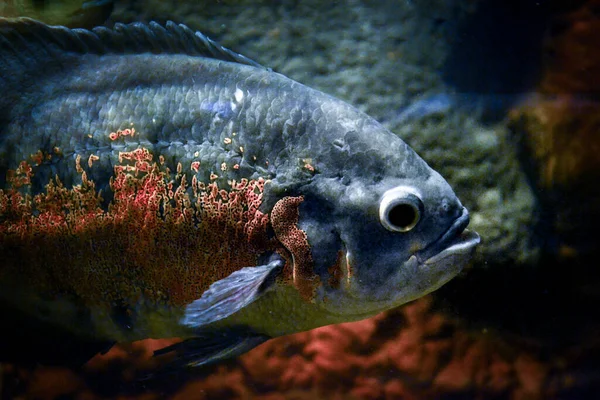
<point>132,38</point>
<point>28,47</point>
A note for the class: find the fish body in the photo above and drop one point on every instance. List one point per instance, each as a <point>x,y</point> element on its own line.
<point>155,184</point>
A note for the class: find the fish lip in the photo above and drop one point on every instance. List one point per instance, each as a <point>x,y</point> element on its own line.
<point>464,245</point>
<point>456,240</point>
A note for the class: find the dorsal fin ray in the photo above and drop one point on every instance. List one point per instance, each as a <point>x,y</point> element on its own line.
<point>131,38</point>
<point>29,47</point>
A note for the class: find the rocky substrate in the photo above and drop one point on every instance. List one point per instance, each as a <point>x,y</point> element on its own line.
<point>415,352</point>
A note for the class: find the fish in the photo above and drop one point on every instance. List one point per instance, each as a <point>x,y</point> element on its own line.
<point>71,13</point>
<point>485,106</point>
<point>154,184</point>
<point>492,106</point>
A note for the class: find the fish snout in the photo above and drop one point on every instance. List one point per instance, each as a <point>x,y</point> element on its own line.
<point>455,239</point>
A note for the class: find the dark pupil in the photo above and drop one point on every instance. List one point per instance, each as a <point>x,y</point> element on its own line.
<point>402,215</point>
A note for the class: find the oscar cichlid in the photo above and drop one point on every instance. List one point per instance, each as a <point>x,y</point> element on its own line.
<point>155,184</point>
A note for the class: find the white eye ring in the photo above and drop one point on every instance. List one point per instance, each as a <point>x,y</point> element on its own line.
<point>400,209</point>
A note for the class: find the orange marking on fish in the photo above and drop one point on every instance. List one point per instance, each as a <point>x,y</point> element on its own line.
<point>78,164</point>
<point>155,238</point>
<point>37,158</point>
<point>91,159</point>
<point>284,219</point>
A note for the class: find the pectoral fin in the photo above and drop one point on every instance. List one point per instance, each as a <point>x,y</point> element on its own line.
<point>231,294</point>
<point>222,299</point>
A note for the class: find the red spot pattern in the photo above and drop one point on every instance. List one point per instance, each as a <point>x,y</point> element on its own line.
<point>121,133</point>
<point>37,158</point>
<point>21,176</point>
<point>161,236</point>
<point>284,218</point>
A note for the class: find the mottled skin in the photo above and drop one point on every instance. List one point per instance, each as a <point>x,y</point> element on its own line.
<point>242,121</point>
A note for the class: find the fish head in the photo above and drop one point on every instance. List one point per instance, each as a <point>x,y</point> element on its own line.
<point>383,227</point>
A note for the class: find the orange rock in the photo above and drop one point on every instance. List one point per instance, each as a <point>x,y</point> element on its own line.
<point>367,388</point>
<point>531,376</point>
<point>453,377</point>
<point>50,383</point>
<point>501,376</point>
<point>395,389</point>
<point>558,134</point>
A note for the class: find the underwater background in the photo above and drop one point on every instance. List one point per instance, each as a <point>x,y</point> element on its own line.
<point>500,97</point>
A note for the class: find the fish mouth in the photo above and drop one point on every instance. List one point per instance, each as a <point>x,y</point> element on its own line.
<point>457,240</point>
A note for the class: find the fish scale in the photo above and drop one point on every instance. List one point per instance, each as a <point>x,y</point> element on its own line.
<point>121,109</point>
<point>155,184</point>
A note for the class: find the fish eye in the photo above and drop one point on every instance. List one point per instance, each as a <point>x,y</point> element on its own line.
<point>400,210</point>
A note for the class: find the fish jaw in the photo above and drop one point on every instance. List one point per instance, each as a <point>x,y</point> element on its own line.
<point>415,277</point>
